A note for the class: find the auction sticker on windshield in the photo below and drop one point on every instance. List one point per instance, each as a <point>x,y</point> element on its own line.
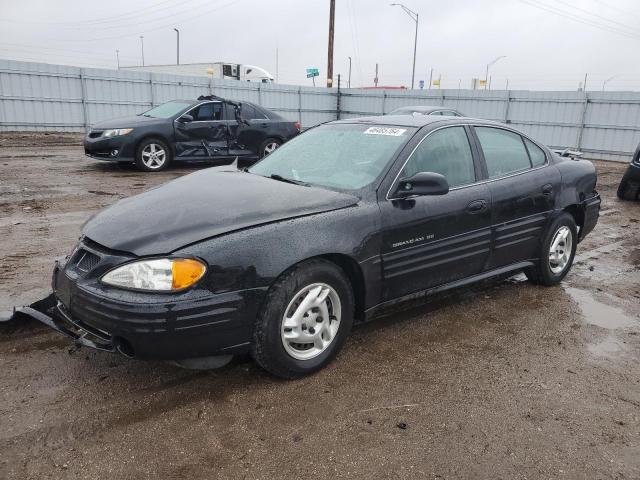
<point>394,132</point>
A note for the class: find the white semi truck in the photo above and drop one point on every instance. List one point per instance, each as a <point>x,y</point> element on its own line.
<point>217,70</point>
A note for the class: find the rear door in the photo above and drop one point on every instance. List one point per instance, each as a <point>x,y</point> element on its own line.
<point>523,189</point>
<point>246,138</point>
<point>433,240</point>
<point>204,137</point>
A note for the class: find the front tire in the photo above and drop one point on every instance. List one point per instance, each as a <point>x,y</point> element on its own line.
<point>152,155</point>
<point>305,320</point>
<point>557,252</point>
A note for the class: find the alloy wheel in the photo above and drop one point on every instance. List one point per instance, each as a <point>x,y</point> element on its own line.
<point>560,250</point>
<point>270,147</point>
<point>311,321</point>
<point>153,156</point>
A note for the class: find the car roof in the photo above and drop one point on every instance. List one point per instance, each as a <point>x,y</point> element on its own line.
<point>415,121</point>
<point>424,108</point>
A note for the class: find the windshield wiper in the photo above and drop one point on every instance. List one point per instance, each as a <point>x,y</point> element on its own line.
<point>280,178</point>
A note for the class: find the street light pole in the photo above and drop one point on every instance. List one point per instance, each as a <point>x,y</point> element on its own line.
<point>486,75</point>
<point>142,48</point>
<point>349,79</point>
<point>177,46</point>
<point>414,17</point>
<point>118,58</point>
<point>604,84</point>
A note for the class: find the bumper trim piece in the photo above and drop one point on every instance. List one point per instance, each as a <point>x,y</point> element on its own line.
<point>78,334</point>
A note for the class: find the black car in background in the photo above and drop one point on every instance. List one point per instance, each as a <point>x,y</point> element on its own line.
<point>349,218</point>
<point>629,187</point>
<point>210,128</point>
<point>416,110</point>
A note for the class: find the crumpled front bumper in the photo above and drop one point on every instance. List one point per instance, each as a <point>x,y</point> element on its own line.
<point>57,319</point>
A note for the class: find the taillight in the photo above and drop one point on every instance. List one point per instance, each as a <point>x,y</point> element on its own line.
<point>297,125</point>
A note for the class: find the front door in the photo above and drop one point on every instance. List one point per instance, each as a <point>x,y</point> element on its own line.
<point>523,188</point>
<point>433,240</point>
<point>206,136</point>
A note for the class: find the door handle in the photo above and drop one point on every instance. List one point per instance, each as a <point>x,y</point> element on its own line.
<point>477,206</point>
<point>547,189</point>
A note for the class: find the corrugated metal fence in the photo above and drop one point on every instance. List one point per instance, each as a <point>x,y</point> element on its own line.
<point>36,96</point>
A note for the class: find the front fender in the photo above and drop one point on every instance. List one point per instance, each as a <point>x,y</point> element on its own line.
<point>255,257</point>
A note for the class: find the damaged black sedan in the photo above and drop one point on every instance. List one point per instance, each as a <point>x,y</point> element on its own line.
<point>212,129</point>
<point>279,260</point>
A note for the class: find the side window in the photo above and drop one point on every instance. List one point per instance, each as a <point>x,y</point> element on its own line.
<point>447,152</point>
<point>251,113</point>
<point>535,152</point>
<point>207,112</point>
<point>437,112</point>
<point>504,151</point>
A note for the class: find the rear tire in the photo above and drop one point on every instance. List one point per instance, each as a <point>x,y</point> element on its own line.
<point>554,263</point>
<point>305,320</point>
<point>152,155</point>
<point>268,146</point>
<point>627,191</point>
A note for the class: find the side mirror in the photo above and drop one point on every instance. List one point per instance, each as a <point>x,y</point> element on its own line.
<point>186,118</point>
<point>422,183</point>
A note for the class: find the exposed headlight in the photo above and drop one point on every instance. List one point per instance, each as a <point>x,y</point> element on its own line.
<point>116,132</point>
<point>158,274</point>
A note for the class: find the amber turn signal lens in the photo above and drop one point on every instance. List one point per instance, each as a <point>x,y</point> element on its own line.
<point>185,272</point>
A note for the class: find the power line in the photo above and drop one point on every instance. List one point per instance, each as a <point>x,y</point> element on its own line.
<point>576,18</point>
<point>113,18</point>
<point>176,22</point>
<point>590,13</point>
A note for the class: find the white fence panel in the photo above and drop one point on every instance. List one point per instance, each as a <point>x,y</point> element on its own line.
<point>37,96</point>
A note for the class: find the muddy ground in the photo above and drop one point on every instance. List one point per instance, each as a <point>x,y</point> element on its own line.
<point>509,380</point>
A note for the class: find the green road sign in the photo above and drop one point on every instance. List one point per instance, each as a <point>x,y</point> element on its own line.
<point>312,72</point>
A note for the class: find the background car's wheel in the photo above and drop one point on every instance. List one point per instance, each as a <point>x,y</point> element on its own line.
<point>268,146</point>
<point>153,155</point>
<point>305,320</point>
<point>557,252</point>
<point>627,191</point>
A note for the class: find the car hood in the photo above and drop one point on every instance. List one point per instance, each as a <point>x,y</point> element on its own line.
<point>127,122</point>
<point>202,205</point>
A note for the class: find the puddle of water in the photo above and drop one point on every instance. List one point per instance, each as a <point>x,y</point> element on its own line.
<point>607,347</point>
<point>597,313</point>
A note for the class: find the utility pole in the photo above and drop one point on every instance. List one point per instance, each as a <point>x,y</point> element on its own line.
<point>332,14</point>
<point>142,47</point>
<point>584,85</point>
<point>118,58</point>
<point>177,46</point>
<point>375,80</point>
<point>414,17</point>
<point>486,75</point>
<point>349,79</point>
<point>430,78</point>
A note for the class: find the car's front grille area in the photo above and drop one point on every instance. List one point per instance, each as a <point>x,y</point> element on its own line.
<point>84,261</point>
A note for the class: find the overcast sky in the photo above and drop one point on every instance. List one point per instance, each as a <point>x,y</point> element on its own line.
<point>548,44</point>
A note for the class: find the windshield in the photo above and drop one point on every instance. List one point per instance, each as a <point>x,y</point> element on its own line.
<point>166,110</point>
<point>341,156</point>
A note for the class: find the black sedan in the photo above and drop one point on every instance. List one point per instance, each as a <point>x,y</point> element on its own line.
<point>210,128</point>
<point>629,188</point>
<point>351,217</point>
<point>426,110</point>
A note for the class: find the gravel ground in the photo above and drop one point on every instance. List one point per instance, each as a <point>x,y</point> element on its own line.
<point>506,380</point>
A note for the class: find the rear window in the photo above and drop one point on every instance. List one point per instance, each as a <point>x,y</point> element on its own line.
<point>535,152</point>
<point>504,151</point>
